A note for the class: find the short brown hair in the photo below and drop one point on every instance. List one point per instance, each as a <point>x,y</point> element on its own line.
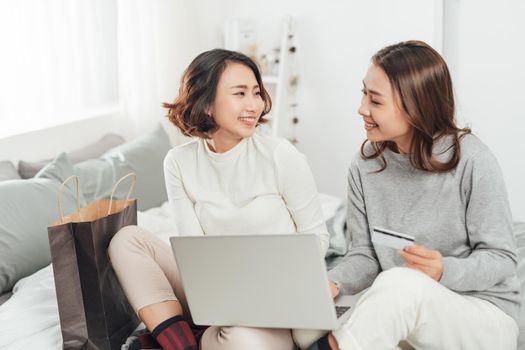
<point>420,76</point>
<point>199,87</point>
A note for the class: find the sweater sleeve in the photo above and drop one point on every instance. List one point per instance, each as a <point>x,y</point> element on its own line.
<point>187,223</point>
<point>297,187</point>
<point>489,225</point>
<point>360,266</point>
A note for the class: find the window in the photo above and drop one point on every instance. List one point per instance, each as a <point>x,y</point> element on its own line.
<point>58,62</point>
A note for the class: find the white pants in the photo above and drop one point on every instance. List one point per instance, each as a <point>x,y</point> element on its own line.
<point>405,304</point>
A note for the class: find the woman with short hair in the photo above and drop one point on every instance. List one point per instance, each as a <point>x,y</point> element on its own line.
<point>228,180</point>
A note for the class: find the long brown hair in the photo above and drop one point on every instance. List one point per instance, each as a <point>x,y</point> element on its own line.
<point>420,76</point>
<point>199,87</point>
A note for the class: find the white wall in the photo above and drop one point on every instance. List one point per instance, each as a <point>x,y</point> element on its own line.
<point>485,50</point>
<point>48,143</point>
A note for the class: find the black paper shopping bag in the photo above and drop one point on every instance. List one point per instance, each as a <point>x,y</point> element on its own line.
<point>93,309</point>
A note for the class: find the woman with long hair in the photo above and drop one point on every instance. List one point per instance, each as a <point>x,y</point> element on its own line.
<point>418,173</point>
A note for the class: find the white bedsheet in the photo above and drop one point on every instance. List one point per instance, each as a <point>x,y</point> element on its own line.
<point>29,319</point>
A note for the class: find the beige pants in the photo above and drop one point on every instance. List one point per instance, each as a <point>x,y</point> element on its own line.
<point>146,269</point>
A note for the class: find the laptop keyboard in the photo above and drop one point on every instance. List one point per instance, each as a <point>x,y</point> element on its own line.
<point>340,310</point>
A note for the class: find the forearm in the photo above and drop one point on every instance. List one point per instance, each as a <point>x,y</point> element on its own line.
<point>480,271</point>
<point>357,271</point>
<point>300,194</point>
<point>308,218</point>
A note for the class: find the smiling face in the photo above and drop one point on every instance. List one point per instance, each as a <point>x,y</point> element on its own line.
<point>380,108</point>
<point>237,106</point>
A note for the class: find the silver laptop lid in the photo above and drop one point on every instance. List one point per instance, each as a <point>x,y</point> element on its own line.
<point>275,281</point>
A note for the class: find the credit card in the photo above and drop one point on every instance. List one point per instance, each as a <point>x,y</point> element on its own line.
<point>392,239</point>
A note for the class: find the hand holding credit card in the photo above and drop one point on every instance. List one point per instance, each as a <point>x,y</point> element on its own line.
<point>392,239</point>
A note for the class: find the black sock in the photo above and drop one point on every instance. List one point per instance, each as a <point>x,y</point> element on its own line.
<point>198,332</point>
<point>321,344</point>
<point>175,334</point>
<point>144,341</point>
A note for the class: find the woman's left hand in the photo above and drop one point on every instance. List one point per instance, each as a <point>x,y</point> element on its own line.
<point>423,259</point>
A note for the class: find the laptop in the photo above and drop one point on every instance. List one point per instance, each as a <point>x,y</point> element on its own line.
<point>270,281</point>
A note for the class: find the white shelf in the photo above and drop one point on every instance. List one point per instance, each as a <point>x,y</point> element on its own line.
<point>240,36</point>
<point>270,79</point>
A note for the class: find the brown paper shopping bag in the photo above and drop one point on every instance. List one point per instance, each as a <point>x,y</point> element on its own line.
<point>94,312</point>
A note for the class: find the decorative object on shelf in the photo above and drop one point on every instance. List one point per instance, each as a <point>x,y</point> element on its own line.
<point>278,69</point>
<point>294,121</point>
<point>290,115</point>
<point>269,62</point>
<point>240,35</point>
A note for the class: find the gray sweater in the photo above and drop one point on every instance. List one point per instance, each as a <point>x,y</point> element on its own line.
<point>464,214</point>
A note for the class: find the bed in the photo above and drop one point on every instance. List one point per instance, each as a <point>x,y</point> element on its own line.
<point>28,306</point>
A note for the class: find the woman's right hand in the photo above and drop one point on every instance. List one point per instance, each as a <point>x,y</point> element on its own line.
<point>333,289</point>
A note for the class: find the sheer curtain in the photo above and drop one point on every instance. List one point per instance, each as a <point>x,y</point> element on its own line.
<point>58,62</point>
<point>66,60</point>
<point>156,41</point>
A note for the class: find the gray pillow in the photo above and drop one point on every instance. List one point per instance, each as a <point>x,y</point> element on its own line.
<point>29,169</point>
<point>26,209</point>
<point>8,171</point>
<point>5,297</point>
<point>143,155</point>
<point>519,233</point>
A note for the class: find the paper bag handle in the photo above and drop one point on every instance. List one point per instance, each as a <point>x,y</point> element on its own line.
<point>60,192</point>
<point>116,185</point>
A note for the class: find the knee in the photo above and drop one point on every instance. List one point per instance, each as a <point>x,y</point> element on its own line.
<point>123,240</point>
<point>242,338</point>
<point>402,281</point>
